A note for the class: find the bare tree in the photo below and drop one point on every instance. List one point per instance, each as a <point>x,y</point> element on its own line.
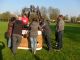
<point>78,18</point>
<point>43,12</point>
<point>53,13</point>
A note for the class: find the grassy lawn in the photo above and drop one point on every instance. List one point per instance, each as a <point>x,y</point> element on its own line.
<point>70,51</point>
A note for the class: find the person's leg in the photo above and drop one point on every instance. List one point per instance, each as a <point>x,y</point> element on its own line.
<point>56,38</point>
<point>14,45</point>
<point>59,40</point>
<point>9,42</point>
<point>48,41</point>
<point>46,37</point>
<point>35,44</point>
<point>19,38</point>
<point>32,43</point>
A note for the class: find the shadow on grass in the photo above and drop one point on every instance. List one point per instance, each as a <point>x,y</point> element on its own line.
<point>2,46</point>
<point>36,57</point>
<point>72,33</point>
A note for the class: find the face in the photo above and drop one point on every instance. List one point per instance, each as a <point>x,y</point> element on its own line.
<point>60,18</point>
<point>19,18</point>
<point>24,16</point>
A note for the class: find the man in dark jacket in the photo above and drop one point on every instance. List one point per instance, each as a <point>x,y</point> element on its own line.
<point>16,35</point>
<point>46,32</point>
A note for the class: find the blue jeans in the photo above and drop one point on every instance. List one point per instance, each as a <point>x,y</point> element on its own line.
<point>33,43</point>
<point>9,42</point>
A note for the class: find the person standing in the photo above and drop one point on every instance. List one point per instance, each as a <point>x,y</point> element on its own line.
<point>46,32</point>
<point>16,35</point>
<point>33,34</point>
<point>9,31</point>
<point>59,32</point>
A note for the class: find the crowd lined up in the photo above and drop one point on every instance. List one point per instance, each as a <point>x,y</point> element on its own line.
<point>33,21</point>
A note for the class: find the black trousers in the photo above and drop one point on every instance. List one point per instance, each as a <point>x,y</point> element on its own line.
<point>46,37</point>
<point>58,38</point>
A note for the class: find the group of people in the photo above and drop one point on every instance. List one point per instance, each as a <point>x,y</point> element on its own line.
<point>33,21</point>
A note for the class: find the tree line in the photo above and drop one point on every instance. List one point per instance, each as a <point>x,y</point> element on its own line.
<point>48,13</point>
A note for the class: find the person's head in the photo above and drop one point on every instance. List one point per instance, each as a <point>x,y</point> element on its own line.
<point>32,8</point>
<point>60,17</point>
<point>19,18</point>
<point>12,19</point>
<point>35,19</point>
<point>24,15</point>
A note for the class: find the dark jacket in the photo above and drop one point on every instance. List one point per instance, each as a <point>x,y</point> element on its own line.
<point>10,27</point>
<point>45,27</point>
<point>17,27</point>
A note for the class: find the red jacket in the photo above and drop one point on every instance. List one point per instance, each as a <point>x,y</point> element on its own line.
<point>25,20</point>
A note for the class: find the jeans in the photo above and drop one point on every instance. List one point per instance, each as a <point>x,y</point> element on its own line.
<point>33,43</point>
<point>9,42</point>
<point>58,39</point>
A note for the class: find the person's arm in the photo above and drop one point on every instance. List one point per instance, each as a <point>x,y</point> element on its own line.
<point>40,28</point>
<point>43,25</point>
<point>29,26</point>
<point>28,14</point>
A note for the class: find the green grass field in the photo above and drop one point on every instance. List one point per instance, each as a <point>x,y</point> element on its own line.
<point>70,51</point>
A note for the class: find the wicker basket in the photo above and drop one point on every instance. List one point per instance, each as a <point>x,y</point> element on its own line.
<point>25,42</point>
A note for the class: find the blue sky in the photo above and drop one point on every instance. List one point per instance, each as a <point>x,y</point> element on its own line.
<point>70,7</point>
